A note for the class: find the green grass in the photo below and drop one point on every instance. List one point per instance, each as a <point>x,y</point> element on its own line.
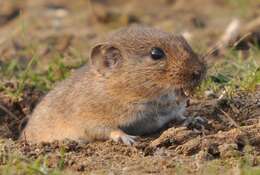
<point>236,165</point>
<point>29,75</point>
<point>24,166</point>
<point>233,74</point>
<point>12,162</point>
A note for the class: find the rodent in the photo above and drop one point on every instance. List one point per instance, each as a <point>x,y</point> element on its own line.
<point>133,85</point>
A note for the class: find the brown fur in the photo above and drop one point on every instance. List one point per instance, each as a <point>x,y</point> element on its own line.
<point>122,89</point>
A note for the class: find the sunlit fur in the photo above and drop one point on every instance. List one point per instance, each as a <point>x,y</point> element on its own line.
<point>139,95</point>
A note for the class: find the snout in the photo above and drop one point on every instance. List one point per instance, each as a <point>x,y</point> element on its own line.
<point>198,74</point>
<point>193,80</point>
<point>188,74</point>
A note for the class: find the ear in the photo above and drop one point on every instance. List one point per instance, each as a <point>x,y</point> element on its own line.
<point>105,56</point>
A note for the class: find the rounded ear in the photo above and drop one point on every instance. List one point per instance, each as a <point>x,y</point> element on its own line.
<point>105,56</point>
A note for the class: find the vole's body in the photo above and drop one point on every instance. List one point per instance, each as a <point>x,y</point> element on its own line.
<point>122,91</point>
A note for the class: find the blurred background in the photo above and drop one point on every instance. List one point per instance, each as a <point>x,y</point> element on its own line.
<point>69,28</point>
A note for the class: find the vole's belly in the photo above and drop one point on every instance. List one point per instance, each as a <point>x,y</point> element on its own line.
<point>155,115</point>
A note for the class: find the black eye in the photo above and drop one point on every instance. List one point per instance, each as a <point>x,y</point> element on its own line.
<point>157,53</point>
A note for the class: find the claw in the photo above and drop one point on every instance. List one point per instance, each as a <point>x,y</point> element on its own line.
<point>197,122</point>
<point>120,136</point>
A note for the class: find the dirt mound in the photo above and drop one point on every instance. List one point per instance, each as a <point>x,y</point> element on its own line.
<point>14,111</point>
<point>232,125</point>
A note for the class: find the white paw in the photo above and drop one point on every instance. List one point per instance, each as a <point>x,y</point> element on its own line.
<point>128,139</point>
<point>120,136</point>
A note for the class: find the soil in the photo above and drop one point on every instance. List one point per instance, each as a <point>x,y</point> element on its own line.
<point>59,26</point>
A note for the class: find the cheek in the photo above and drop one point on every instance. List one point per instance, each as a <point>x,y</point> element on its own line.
<point>172,73</point>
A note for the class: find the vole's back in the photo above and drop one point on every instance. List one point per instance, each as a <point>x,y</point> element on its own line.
<point>53,117</point>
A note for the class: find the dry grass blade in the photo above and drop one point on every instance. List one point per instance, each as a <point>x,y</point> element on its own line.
<point>242,38</point>
<point>232,121</point>
<point>230,38</point>
<point>246,139</point>
<point>8,112</point>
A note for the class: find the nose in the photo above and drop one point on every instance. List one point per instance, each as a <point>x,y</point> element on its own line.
<point>196,75</point>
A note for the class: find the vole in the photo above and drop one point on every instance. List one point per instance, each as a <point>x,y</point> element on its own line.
<point>134,84</point>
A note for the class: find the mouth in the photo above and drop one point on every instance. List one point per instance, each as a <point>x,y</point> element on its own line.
<point>190,88</point>
<point>187,91</point>
<point>187,87</point>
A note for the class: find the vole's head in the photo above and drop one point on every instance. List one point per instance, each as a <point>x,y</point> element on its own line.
<point>143,61</point>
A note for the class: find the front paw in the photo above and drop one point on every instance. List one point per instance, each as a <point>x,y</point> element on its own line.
<point>198,123</point>
<point>120,136</point>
